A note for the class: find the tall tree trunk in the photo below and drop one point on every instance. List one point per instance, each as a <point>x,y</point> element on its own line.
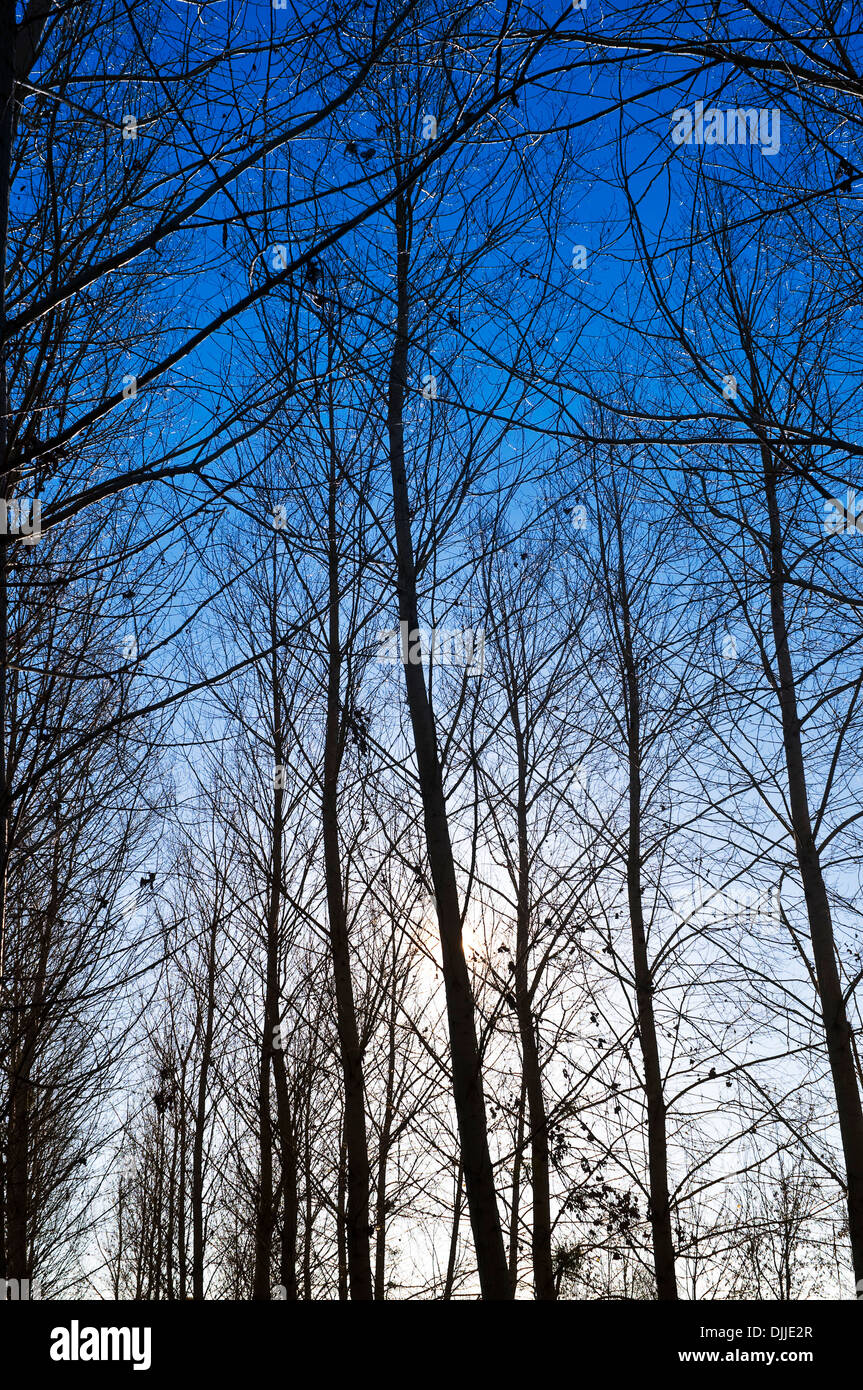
<point>837,1029</point>
<point>271,1042</point>
<point>171,1223</point>
<point>449,1281</point>
<point>657,1148</point>
<point>515,1210</point>
<point>197,1194</point>
<point>7,128</point>
<point>290,1195</point>
<point>467,1076</point>
<point>21,1097</point>
<point>384,1148</point>
<point>356,1144</point>
<point>543,1274</point>
<point>309,1210</point>
<point>18,1160</point>
<point>17,54</point>
<point>158,1210</point>
<point>265,1216</point>
<point>341,1222</point>
<point>8,1265</point>
<point>182,1262</point>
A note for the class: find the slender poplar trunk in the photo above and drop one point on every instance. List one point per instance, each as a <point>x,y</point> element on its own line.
<point>517,1161</point>
<point>837,1029</point>
<point>17,55</point>
<point>197,1195</point>
<point>467,1076</point>
<point>182,1262</point>
<point>453,1238</point>
<point>384,1149</point>
<point>356,1144</point>
<point>341,1223</point>
<point>270,1043</point>
<point>290,1194</point>
<point>171,1224</point>
<point>309,1213</point>
<point>543,1273</point>
<point>657,1147</point>
<point>9,1263</point>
